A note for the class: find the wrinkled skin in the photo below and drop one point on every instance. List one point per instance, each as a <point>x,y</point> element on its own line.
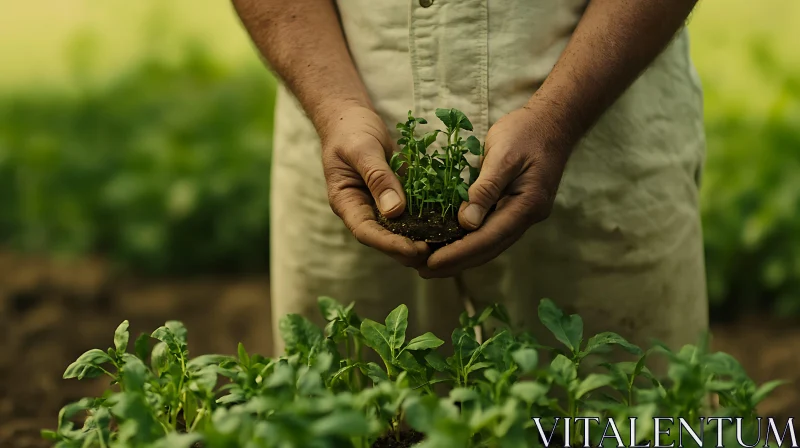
<point>520,173</point>
<point>355,150</point>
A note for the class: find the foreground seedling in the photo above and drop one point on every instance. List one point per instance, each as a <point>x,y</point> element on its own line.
<point>359,383</point>
<point>432,175</point>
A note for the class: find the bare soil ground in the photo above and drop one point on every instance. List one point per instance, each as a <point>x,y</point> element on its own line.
<point>51,312</point>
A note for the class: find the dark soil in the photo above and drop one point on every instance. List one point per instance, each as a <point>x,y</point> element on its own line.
<point>429,227</point>
<point>407,439</point>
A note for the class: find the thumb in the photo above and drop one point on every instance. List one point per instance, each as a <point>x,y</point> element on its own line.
<point>381,181</point>
<point>483,194</point>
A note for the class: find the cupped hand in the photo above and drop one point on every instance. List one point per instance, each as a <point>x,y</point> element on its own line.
<point>521,168</point>
<point>355,149</point>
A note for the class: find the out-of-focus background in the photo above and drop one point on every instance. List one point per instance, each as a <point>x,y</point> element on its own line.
<point>135,142</point>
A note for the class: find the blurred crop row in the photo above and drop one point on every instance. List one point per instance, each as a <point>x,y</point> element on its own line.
<point>165,169</point>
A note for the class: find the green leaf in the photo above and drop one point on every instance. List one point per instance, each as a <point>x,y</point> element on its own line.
<point>88,365</point>
<point>429,138</point>
<point>478,366</point>
<point>425,341</point>
<point>121,337</point>
<point>528,391</point>
<point>396,162</point>
<point>299,334</point>
<point>764,390</point>
<point>159,357</point>
<point>526,359</point>
<point>244,359</point>
<point>568,330</point>
<point>134,375</point>
<point>340,423</point>
<point>464,346</point>
<point>377,337</point>
<point>473,145</point>
<point>473,175</point>
<point>460,120</point>
<point>179,330</point>
<point>463,395</point>
<point>563,369</point>
<point>69,411</point>
<point>437,362</point>
<point>179,440</point>
<point>396,325</point>
<point>329,307</point>
<point>607,339</point>
<point>462,192</point>
<point>446,118</point>
<point>591,382</point>
<point>407,362</point>
<point>374,372</point>
<point>207,360</point>
<point>142,346</point>
<point>50,435</point>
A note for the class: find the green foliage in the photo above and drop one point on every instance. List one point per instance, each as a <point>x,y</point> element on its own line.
<point>430,177</point>
<point>165,169</point>
<point>500,392</point>
<point>751,192</point>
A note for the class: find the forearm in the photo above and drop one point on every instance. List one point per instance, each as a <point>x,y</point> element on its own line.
<point>615,41</point>
<point>304,44</point>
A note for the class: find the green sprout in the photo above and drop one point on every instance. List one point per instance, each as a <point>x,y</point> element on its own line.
<point>434,178</point>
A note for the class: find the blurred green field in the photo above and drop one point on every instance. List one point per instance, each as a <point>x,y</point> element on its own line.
<point>142,131</point>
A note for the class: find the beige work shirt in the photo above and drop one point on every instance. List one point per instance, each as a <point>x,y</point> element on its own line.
<point>623,245</point>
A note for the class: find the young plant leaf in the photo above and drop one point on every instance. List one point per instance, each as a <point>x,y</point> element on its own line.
<point>299,334</point>
<point>563,370</point>
<point>445,116</point>
<point>526,359</point>
<point>591,382</point>
<point>121,337</point>
<point>374,372</point>
<point>377,337</point>
<point>606,339</point>
<point>473,145</point>
<point>765,389</point>
<point>425,341</point>
<point>567,329</point>
<point>142,346</point>
<point>528,391</point>
<point>396,325</point>
<point>462,192</point>
<point>88,365</point>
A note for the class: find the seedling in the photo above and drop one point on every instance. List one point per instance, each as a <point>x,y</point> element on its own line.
<point>433,177</point>
<point>313,396</point>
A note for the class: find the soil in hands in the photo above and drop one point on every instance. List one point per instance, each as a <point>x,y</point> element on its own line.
<point>430,226</point>
<point>407,439</point>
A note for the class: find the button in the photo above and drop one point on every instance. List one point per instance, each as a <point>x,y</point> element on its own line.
<point>425,3</point>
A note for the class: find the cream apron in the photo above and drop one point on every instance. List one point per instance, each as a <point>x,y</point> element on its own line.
<point>623,245</point>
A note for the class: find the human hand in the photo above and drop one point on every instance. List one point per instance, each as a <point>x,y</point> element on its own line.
<point>520,172</point>
<point>355,149</point>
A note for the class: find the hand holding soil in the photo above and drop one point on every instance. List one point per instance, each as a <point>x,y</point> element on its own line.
<point>355,149</point>
<point>519,175</point>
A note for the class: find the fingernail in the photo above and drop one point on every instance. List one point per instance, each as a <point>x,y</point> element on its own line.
<point>473,214</point>
<point>389,200</point>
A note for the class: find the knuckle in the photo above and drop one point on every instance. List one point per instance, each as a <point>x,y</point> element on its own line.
<point>538,206</point>
<point>486,191</point>
<point>374,177</point>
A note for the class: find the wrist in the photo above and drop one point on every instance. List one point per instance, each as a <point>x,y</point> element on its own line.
<point>555,130</point>
<point>329,114</point>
